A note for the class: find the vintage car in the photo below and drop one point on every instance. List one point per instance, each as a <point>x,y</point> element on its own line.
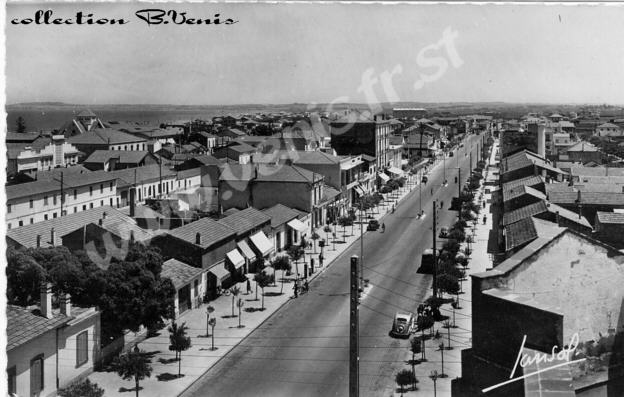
<point>443,232</point>
<point>425,179</point>
<point>404,324</point>
<point>373,225</point>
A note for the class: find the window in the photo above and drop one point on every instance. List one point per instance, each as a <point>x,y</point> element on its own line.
<point>75,194</point>
<point>82,348</point>
<point>45,200</point>
<point>84,207</point>
<point>101,203</point>
<point>32,221</point>
<point>36,375</point>
<point>111,201</point>
<point>111,186</point>
<point>90,205</point>
<point>90,190</point>
<point>9,226</point>
<point>21,223</point>
<point>75,209</point>
<point>31,203</point>
<point>45,217</point>
<point>101,188</point>
<point>54,215</point>
<point>54,199</point>
<point>9,208</point>
<point>12,376</point>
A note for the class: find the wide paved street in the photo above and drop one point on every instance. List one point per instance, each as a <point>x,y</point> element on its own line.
<point>303,349</point>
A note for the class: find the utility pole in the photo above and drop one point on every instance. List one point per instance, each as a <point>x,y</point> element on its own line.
<point>435,253</point>
<point>62,195</point>
<point>361,247</point>
<point>354,356</point>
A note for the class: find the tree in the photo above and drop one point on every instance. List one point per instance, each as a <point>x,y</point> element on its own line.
<point>415,348</point>
<point>240,305</point>
<point>85,388</point>
<point>134,365</point>
<point>213,323</point>
<point>434,377</point>
<point>263,280</point>
<point>404,378</point>
<point>447,283</point>
<point>24,278</point>
<point>327,229</point>
<point>321,244</point>
<point>344,222</point>
<point>209,311</point>
<point>235,291</point>
<point>178,341</point>
<point>315,236</point>
<point>281,263</point>
<point>296,252</point>
<point>21,125</point>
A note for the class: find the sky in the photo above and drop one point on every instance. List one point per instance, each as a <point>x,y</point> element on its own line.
<point>319,53</point>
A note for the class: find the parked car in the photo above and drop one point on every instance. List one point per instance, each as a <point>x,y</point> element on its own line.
<point>372,225</point>
<point>403,325</point>
<point>443,232</point>
<point>424,179</point>
<point>450,154</point>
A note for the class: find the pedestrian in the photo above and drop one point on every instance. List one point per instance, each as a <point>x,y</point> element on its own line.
<point>484,219</point>
<point>321,259</point>
<point>248,287</point>
<point>296,288</point>
<point>483,203</point>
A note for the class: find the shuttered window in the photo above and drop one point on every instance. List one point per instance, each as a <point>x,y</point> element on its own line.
<point>82,348</point>
<point>36,375</point>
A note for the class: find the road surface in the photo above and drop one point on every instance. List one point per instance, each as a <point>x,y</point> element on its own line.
<point>303,348</point>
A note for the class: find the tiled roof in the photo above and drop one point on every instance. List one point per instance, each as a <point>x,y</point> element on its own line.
<point>105,136</point>
<point>524,212</point>
<point>531,181</point>
<point>148,173</point>
<point>24,324</point>
<point>329,193</point>
<point>610,217</point>
<point>86,113</point>
<point>189,173</point>
<point>286,173</point>
<point>524,159</point>
<point>596,171</point>
<point>26,235</point>
<point>560,195</point>
<point>529,229</point>
<point>510,193</point>
<point>314,157</point>
<point>211,232</point>
<point>583,146</point>
<point>608,125</point>
<point>30,189</point>
<point>124,156</point>
<point>55,173</point>
<point>246,220</point>
<point>207,159</point>
<point>280,214</point>
<point>179,273</point>
<point>26,137</point>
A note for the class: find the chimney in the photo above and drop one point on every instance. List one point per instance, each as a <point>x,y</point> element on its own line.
<point>65,304</point>
<point>100,221</point>
<point>104,215</point>
<point>132,194</point>
<point>46,300</point>
<point>198,238</point>
<point>578,196</point>
<point>52,236</point>
<point>558,218</point>
<point>38,241</point>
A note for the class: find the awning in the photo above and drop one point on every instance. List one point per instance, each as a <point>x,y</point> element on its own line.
<point>220,272</point>
<point>262,243</point>
<point>246,250</point>
<point>359,190</point>
<point>384,177</point>
<point>298,225</point>
<point>395,171</point>
<point>235,258</point>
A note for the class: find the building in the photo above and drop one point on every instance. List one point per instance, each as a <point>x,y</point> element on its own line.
<point>525,163</point>
<point>48,349</point>
<point>357,133</point>
<point>42,153</point>
<point>110,160</point>
<point>609,228</point>
<point>107,139</point>
<point>37,201</point>
<point>235,152</point>
<point>609,130</point>
<point>582,152</point>
<point>563,290</point>
<point>84,122</point>
<point>148,182</point>
<point>514,139</point>
<point>409,113</point>
<point>241,186</point>
<point>189,282</point>
<point>587,199</point>
<point>286,226</point>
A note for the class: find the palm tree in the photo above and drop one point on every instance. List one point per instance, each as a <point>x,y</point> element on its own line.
<point>327,229</point>
<point>134,365</point>
<point>235,291</point>
<point>240,305</point>
<point>209,311</point>
<point>434,377</point>
<point>179,342</point>
<point>213,323</point>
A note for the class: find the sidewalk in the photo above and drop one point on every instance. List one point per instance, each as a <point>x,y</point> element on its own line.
<point>200,357</point>
<point>461,335</point>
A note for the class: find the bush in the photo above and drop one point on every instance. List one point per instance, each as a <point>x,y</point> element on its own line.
<point>85,388</point>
